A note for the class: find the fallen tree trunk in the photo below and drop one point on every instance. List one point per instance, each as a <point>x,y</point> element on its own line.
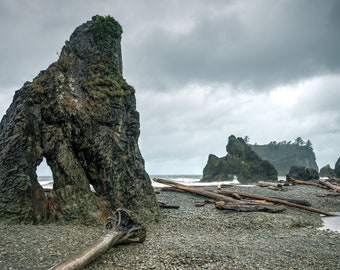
<point>301,182</point>
<point>269,199</point>
<point>164,205</point>
<point>195,190</point>
<point>329,185</point>
<point>122,228</point>
<point>267,184</point>
<point>302,202</point>
<point>272,208</point>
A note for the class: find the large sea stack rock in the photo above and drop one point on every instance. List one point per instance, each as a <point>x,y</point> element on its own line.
<point>241,161</point>
<point>80,115</point>
<point>337,168</point>
<point>303,173</point>
<point>327,171</point>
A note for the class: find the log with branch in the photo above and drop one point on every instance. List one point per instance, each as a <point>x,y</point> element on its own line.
<point>274,200</point>
<point>329,185</point>
<point>122,228</point>
<point>199,191</point>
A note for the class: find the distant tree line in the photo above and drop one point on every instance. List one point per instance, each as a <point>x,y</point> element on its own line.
<point>298,141</point>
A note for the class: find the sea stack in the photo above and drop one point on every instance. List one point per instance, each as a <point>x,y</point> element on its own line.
<point>240,161</point>
<point>80,115</point>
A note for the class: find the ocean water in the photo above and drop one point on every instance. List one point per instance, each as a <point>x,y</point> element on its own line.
<point>47,181</point>
<point>191,179</point>
<point>331,223</point>
<point>182,179</point>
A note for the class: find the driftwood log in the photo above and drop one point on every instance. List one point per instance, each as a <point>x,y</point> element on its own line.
<point>199,191</point>
<point>329,185</point>
<point>122,228</point>
<point>269,199</point>
<point>297,201</point>
<point>308,183</point>
<point>265,207</point>
<point>267,184</point>
<point>165,205</point>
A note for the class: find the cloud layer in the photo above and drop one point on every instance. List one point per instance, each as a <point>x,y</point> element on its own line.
<point>202,70</point>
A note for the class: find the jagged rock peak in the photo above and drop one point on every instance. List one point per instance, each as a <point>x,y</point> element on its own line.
<point>96,40</point>
<point>240,161</point>
<point>80,115</point>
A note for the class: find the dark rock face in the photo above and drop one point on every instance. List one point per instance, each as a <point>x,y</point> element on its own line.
<point>337,168</point>
<point>303,173</point>
<point>327,171</point>
<point>240,161</point>
<point>80,114</point>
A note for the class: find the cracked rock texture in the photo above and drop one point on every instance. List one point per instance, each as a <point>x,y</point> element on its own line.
<point>80,115</point>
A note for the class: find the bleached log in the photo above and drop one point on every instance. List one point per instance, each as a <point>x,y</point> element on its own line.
<point>195,190</point>
<point>272,208</point>
<point>329,185</point>
<point>267,184</point>
<point>122,228</point>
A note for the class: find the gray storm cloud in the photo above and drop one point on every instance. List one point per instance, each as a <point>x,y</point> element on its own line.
<point>202,69</point>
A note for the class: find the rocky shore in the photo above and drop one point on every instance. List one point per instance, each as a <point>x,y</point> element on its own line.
<point>193,238</point>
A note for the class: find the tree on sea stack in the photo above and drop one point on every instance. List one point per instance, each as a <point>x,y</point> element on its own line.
<point>80,115</point>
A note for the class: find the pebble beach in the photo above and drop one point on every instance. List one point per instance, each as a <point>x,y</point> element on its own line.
<point>193,238</point>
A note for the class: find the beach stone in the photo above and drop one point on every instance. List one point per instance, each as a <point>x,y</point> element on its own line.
<point>240,161</point>
<point>80,115</point>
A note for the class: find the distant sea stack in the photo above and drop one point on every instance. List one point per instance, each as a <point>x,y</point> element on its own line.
<point>284,154</point>
<point>241,161</point>
<point>327,171</point>
<point>80,115</point>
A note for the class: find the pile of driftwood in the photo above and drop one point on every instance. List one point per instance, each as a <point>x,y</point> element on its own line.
<point>333,188</point>
<point>243,202</point>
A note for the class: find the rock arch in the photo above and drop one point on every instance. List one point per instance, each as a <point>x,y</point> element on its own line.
<point>80,115</point>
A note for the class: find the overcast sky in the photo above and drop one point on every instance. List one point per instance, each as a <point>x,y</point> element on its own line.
<point>202,70</point>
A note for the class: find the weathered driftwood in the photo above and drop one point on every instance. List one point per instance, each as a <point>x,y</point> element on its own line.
<point>269,199</point>
<point>329,185</point>
<point>164,205</point>
<point>122,228</point>
<point>302,182</point>
<point>210,194</point>
<point>272,208</point>
<point>267,184</point>
<point>195,190</point>
<point>302,202</point>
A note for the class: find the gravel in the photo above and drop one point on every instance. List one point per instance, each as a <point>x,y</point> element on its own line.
<point>193,238</point>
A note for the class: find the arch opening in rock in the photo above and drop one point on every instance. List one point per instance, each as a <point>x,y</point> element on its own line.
<point>44,174</point>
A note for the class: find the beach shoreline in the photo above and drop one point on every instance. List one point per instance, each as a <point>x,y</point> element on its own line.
<point>192,238</point>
